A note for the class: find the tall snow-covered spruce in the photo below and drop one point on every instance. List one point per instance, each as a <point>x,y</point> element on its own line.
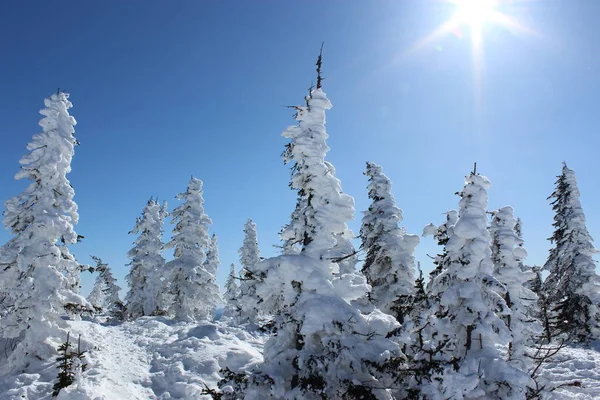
<point>508,254</point>
<point>191,279</point>
<point>572,288</point>
<point>324,347</point>
<point>40,276</point>
<point>465,323</point>
<point>389,263</point>
<point>318,225</point>
<point>249,253</point>
<point>146,294</point>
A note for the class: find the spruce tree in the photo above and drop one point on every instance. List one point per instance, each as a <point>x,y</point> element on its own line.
<point>318,225</point>
<point>335,352</point>
<point>70,365</point>
<point>572,284</point>
<point>389,263</point>
<point>146,294</point>
<point>324,347</point>
<point>508,254</point>
<point>442,234</point>
<point>465,323</point>
<point>232,294</point>
<point>190,277</point>
<point>212,261</point>
<point>249,257</point>
<point>211,264</point>
<point>39,274</point>
<point>105,293</point>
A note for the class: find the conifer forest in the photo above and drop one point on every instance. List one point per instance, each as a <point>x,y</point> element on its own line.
<point>329,312</point>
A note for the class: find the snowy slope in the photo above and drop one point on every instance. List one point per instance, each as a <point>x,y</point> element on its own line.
<point>154,358</point>
<point>150,358</point>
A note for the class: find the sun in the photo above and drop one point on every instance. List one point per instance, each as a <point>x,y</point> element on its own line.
<point>478,17</point>
<point>474,12</point>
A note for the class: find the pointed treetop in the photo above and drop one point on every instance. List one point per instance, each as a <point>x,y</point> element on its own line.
<point>319,65</point>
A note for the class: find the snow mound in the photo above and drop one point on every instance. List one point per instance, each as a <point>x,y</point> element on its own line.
<point>194,354</point>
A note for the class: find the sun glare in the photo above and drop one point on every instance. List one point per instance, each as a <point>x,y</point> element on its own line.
<point>478,17</point>
<point>474,12</point>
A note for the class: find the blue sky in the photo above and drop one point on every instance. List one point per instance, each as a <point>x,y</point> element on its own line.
<point>164,90</point>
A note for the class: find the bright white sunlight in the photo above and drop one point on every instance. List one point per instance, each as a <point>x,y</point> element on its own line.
<point>474,12</point>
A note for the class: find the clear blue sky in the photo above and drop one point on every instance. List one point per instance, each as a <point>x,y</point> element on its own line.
<point>163,90</point>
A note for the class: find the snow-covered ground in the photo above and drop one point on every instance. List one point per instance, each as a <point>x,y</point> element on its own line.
<point>149,358</point>
<point>154,358</point>
<point>578,369</point>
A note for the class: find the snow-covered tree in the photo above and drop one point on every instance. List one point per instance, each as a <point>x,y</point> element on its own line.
<point>389,263</point>
<point>42,274</point>
<point>211,264</point>
<point>232,294</point>
<point>318,225</point>
<point>572,286</point>
<point>189,275</point>
<point>324,347</point>
<point>411,337</point>
<point>212,261</point>
<point>249,257</point>
<point>442,234</point>
<point>105,293</point>
<point>507,255</point>
<point>465,323</point>
<point>146,294</point>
